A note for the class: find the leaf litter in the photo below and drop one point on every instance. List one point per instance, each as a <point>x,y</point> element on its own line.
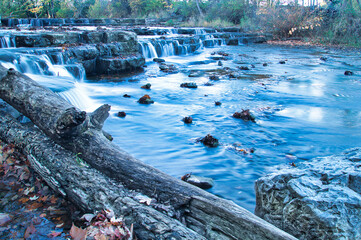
<point>29,209</point>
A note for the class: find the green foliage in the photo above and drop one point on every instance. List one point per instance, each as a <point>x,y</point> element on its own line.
<point>119,8</point>
<point>99,9</point>
<point>146,7</point>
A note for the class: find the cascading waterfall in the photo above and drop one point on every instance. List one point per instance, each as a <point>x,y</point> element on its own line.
<point>51,70</point>
<point>7,42</point>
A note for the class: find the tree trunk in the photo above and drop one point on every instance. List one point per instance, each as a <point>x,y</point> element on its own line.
<point>199,9</point>
<point>212,217</point>
<point>88,188</point>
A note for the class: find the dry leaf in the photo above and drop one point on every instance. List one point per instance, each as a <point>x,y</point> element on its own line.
<point>29,230</point>
<point>54,234</point>
<point>78,233</point>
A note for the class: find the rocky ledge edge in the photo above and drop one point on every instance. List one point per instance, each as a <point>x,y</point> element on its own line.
<point>319,199</point>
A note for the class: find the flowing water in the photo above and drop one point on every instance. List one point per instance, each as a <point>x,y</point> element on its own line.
<point>304,108</point>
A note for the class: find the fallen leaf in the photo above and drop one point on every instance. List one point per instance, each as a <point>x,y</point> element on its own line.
<point>59,225</point>
<point>34,198</point>
<point>100,236</point>
<point>88,217</point>
<point>29,231</point>
<point>78,233</point>
<point>23,200</point>
<point>34,205</point>
<point>4,218</point>
<point>54,234</point>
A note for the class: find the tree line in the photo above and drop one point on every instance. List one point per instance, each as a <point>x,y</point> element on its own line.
<point>329,20</point>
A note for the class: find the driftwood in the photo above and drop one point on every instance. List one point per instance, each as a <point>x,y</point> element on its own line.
<point>86,187</point>
<point>210,216</point>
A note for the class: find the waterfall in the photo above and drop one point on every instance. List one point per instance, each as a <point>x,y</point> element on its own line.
<point>39,65</point>
<point>7,42</point>
<point>78,96</point>
<point>148,50</point>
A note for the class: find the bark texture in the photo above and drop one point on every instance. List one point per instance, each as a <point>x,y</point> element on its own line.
<point>212,217</point>
<point>88,188</point>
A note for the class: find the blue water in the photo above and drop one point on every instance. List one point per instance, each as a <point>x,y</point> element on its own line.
<point>304,109</point>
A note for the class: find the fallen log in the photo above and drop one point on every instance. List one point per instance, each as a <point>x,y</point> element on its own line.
<point>211,216</point>
<point>86,187</point>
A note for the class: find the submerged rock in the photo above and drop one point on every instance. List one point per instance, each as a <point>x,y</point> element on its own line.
<point>243,68</point>
<point>158,60</point>
<point>323,58</point>
<point>245,115</point>
<point>209,141</point>
<point>201,182</point>
<point>145,100</point>
<point>282,62</point>
<point>348,73</point>
<point>214,77</point>
<point>189,85</point>
<point>317,199</point>
<point>195,74</point>
<point>187,119</point>
<point>168,68</point>
<point>265,64</point>
<point>220,63</point>
<point>121,114</point>
<point>146,86</point>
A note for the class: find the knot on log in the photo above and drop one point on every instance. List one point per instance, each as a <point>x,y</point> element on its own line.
<point>98,117</point>
<point>70,119</point>
<point>11,71</point>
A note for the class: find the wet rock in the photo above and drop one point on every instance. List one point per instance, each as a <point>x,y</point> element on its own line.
<point>282,62</point>
<point>163,67</point>
<point>146,86</point>
<point>187,120</point>
<point>316,199</point>
<point>195,74</point>
<point>220,63</point>
<point>243,68</point>
<point>189,85</point>
<point>217,103</point>
<point>201,182</point>
<point>121,114</point>
<point>244,115</point>
<point>127,96</point>
<point>214,77</point>
<point>348,73</point>
<point>323,58</point>
<point>224,54</point>
<point>265,64</point>
<point>253,66</point>
<point>168,68</point>
<point>209,141</point>
<point>234,75</point>
<point>145,100</point>
<point>158,60</point>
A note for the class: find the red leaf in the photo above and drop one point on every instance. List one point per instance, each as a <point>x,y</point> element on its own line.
<point>78,233</point>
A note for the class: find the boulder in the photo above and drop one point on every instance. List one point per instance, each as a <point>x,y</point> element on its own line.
<point>318,199</point>
<point>209,141</point>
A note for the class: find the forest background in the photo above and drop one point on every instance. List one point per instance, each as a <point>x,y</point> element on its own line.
<point>322,21</point>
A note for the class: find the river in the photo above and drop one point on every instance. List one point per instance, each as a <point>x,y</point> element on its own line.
<point>304,108</point>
